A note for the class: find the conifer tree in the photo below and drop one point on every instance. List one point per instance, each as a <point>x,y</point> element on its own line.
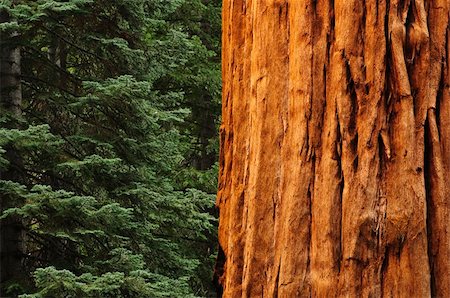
<point>103,186</point>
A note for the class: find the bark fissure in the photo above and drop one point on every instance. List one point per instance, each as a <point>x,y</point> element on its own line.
<point>341,191</point>
<point>427,159</point>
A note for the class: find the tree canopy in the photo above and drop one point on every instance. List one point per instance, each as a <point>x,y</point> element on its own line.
<point>108,165</point>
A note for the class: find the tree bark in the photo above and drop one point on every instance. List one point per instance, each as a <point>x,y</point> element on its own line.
<point>10,100</point>
<point>335,149</point>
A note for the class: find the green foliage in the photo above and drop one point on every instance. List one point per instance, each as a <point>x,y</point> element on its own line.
<point>137,283</point>
<point>114,154</point>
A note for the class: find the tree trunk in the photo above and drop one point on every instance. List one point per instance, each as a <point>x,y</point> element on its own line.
<point>335,149</point>
<point>10,100</point>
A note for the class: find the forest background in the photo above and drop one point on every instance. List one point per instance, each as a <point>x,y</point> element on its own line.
<point>108,147</point>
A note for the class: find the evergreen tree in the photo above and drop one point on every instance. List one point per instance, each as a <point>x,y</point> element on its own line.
<point>97,164</point>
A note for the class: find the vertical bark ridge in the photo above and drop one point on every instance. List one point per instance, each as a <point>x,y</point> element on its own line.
<point>293,262</point>
<point>436,171</point>
<point>234,137</point>
<point>268,84</point>
<point>325,221</point>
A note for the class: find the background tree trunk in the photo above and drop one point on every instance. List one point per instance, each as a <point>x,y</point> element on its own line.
<point>10,105</point>
<point>335,153</point>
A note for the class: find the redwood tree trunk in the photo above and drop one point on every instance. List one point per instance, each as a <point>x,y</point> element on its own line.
<point>335,153</point>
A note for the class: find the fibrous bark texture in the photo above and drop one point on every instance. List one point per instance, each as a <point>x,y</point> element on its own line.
<point>335,149</point>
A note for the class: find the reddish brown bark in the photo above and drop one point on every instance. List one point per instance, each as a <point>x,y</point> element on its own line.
<point>335,148</point>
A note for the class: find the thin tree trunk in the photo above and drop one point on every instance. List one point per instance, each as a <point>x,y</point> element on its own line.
<point>335,149</point>
<point>206,132</point>
<point>10,100</point>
